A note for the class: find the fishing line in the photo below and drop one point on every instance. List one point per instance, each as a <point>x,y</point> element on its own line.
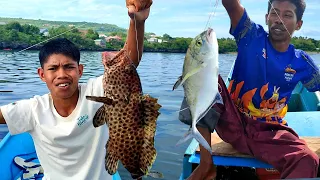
<point>279,18</point>
<point>53,36</point>
<point>135,27</point>
<point>137,41</point>
<point>14,53</point>
<point>212,13</point>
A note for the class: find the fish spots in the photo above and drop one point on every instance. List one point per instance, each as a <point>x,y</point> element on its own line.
<point>131,119</point>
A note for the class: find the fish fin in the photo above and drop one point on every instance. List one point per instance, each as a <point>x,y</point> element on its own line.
<point>111,160</point>
<point>194,133</point>
<point>151,109</point>
<point>148,152</point>
<point>193,72</point>
<point>100,118</point>
<point>185,137</point>
<point>148,156</point>
<point>177,84</point>
<point>101,99</point>
<point>155,174</point>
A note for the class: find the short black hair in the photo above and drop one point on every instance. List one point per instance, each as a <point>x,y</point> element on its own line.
<point>59,46</point>
<point>300,5</point>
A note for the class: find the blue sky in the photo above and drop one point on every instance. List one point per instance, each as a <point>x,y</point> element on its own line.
<point>178,18</point>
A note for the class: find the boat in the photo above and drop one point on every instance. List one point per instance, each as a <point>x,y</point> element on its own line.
<point>303,116</point>
<point>17,147</point>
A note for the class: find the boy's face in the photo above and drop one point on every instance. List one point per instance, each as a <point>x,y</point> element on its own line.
<point>61,74</point>
<point>286,11</point>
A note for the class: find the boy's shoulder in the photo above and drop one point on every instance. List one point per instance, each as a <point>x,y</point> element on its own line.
<point>40,100</point>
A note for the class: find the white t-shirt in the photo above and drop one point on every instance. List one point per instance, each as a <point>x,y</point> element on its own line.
<point>67,147</point>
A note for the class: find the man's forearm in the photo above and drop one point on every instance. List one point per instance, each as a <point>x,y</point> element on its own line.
<point>135,40</point>
<point>2,121</point>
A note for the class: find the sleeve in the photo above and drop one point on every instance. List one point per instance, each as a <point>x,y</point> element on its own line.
<point>311,81</point>
<point>19,116</point>
<point>95,86</point>
<point>246,30</point>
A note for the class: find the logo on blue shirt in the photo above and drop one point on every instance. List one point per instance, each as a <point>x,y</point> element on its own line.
<point>264,55</point>
<point>289,73</point>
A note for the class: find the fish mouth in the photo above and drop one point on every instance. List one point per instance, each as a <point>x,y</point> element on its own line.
<point>209,35</point>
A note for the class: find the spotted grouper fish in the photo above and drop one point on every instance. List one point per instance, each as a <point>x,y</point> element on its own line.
<point>130,115</point>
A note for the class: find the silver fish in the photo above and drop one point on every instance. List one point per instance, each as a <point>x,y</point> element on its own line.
<point>200,81</point>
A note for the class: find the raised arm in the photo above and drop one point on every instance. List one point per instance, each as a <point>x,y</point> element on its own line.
<point>235,11</point>
<point>2,121</point>
<point>138,11</point>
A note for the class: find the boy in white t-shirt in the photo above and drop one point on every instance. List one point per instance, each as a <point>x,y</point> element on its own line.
<point>60,123</point>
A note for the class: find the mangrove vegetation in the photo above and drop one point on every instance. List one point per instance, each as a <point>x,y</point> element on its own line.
<point>14,35</point>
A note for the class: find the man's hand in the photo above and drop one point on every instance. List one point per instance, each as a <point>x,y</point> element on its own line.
<point>139,8</point>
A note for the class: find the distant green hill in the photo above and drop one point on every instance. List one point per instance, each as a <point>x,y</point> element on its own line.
<point>100,28</point>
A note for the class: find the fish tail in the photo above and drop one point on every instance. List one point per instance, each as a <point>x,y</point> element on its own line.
<point>111,160</point>
<point>185,138</point>
<point>194,133</point>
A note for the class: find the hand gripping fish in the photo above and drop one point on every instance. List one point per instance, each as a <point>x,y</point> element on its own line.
<point>200,81</point>
<point>130,116</point>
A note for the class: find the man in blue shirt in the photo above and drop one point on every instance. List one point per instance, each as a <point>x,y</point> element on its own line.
<point>265,73</point>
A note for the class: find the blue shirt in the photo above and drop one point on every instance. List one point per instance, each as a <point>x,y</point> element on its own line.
<point>263,78</point>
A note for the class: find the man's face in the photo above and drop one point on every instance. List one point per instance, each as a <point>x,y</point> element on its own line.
<point>61,74</point>
<point>281,28</point>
